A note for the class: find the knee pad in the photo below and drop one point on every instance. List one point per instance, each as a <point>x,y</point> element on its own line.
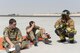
<point>71,35</point>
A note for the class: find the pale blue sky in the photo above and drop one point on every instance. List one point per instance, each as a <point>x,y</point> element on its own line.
<point>38,6</point>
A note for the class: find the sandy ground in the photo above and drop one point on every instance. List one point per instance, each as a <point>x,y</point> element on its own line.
<point>48,24</point>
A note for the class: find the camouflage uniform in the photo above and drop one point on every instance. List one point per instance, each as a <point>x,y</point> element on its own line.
<point>14,36</point>
<point>65,29</point>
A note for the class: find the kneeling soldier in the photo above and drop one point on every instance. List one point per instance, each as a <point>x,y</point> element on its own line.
<point>65,27</point>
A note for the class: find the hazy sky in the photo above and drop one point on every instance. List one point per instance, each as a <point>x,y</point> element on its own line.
<point>38,6</point>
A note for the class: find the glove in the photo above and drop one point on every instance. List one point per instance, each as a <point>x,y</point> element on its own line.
<point>56,26</point>
<point>68,29</point>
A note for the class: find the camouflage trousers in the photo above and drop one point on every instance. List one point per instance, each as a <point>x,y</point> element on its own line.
<point>17,46</point>
<point>63,34</point>
<point>31,35</point>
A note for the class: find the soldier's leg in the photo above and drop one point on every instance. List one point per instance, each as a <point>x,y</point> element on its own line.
<point>41,34</point>
<point>61,35</point>
<point>71,34</point>
<point>71,37</point>
<point>6,46</point>
<point>33,38</point>
<point>25,44</point>
<point>31,35</point>
<point>11,50</point>
<point>44,36</point>
<point>38,34</point>
<point>17,48</point>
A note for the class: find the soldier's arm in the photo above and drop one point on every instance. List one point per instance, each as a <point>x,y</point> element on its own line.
<point>72,24</point>
<point>19,36</point>
<point>6,36</point>
<point>57,23</point>
<point>29,29</point>
<point>9,41</point>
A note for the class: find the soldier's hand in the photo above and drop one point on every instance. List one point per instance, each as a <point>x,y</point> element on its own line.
<point>11,45</point>
<point>20,44</point>
<point>33,24</point>
<point>57,26</point>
